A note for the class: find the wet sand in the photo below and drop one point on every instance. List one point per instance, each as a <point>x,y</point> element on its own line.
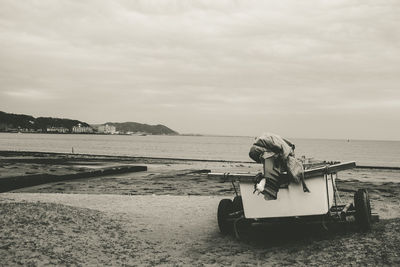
<point>167,216</point>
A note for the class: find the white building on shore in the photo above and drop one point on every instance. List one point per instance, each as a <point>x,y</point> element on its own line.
<point>80,129</point>
<point>107,129</point>
<point>56,130</point>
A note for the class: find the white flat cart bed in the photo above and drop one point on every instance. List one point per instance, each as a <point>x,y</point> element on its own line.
<point>318,205</point>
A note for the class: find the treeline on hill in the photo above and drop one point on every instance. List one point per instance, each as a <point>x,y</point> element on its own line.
<point>9,122</point>
<point>126,127</point>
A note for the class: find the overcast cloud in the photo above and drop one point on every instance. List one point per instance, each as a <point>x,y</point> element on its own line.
<point>327,69</point>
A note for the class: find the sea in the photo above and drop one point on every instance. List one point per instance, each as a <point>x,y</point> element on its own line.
<point>229,148</point>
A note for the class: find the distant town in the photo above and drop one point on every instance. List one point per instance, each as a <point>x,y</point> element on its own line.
<point>78,129</point>
<point>20,123</point>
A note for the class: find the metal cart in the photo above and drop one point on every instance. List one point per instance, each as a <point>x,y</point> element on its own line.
<point>320,205</point>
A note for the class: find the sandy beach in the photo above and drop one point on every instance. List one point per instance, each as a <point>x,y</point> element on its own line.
<point>167,216</point>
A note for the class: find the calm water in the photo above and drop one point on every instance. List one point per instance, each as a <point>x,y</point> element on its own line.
<point>376,153</point>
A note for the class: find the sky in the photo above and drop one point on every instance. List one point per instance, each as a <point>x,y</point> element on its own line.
<point>303,69</point>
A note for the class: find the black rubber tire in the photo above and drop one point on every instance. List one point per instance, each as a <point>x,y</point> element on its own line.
<point>243,229</point>
<point>363,209</point>
<point>237,203</point>
<point>225,207</point>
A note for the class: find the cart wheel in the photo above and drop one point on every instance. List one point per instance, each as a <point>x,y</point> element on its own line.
<point>363,209</point>
<point>237,203</point>
<point>225,207</point>
<point>242,228</point>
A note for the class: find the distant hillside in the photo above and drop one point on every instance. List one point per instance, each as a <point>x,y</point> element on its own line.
<point>144,128</point>
<point>9,121</point>
<point>44,122</point>
<point>25,123</point>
